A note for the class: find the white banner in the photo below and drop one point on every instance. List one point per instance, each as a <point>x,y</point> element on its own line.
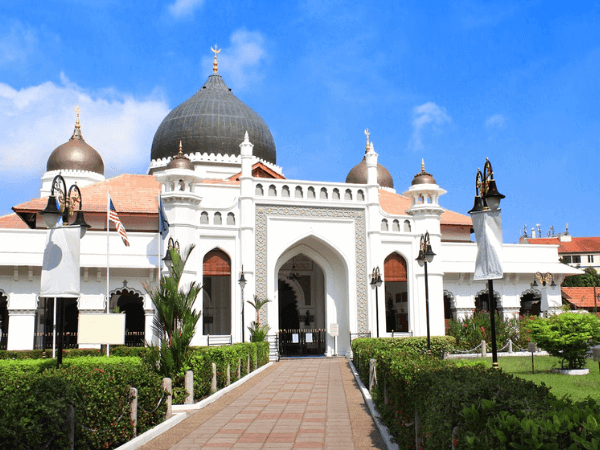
<point>60,267</point>
<point>488,234</point>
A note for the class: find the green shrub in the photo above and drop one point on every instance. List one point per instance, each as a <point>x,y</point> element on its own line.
<point>470,331</point>
<point>567,336</point>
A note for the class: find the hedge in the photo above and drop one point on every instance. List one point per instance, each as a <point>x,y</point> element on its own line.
<point>35,402</point>
<point>453,403</point>
<point>118,350</point>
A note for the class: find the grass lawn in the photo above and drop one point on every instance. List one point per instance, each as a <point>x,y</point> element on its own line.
<point>577,387</point>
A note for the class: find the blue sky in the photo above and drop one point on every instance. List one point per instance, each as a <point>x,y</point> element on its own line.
<point>450,82</point>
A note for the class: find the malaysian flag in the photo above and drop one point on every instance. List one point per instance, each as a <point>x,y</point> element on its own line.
<point>115,218</point>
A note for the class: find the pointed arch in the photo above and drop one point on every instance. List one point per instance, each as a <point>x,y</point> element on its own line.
<point>216,292</point>
<point>397,305</point>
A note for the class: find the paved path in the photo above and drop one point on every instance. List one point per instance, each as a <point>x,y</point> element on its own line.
<point>307,403</point>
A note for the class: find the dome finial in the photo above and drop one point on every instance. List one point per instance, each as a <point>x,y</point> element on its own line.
<point>77,131</point>
<point>180,149</point>
<point>422,164</point>
<point>215,63</point>
<point>367,133</point>
<point>77,110</point>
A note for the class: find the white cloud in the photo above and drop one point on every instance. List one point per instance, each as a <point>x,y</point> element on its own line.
<point>428,114</point>
<point>240,62</point>
<point>497,120</point>
<point>17,43</point>
<point>37,119</point>
<point>182,8</point>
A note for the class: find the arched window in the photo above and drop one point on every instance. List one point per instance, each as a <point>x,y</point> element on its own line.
<point>397,305</point>
<point>259,190</point>
<point>272,191</point>
<point>299,193</point>
<point>230,219</point>
<point>311,192</point>
<point>407,226</point>
<point>360,196</point>
<point>384,225</point>
<point>395,225</point>
<point>285,191</point>
<point>216,291</point>
<point>348,195</point>
<point>217,220</point>
<point>336,194</point>
<point>324,194</point>
<point>204,218</point>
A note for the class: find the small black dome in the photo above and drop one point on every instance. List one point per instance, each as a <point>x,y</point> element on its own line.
<point>213,121</point>
<point>76,154</point>
<point>180,161</point>
<point>423,177</point>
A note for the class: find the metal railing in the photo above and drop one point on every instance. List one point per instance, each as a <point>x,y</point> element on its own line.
<point>302,342</point>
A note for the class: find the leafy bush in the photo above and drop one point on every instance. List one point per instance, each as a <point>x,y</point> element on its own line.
<point>98,388</point>
<point>567,336</point>
<point>470,331</point>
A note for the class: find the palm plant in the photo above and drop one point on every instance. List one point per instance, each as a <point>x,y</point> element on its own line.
<point>258,332</point>
<point>175,320</point>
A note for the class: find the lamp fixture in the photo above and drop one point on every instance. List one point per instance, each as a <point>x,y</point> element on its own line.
<point>294,275</point>
<point>173,245</point>
<point>487,196</point>
<point>62,203</point>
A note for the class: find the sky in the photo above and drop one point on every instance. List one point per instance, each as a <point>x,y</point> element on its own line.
<point>448,82</point>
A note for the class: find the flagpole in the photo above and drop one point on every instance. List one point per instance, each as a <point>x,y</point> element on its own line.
<point>107,260</point>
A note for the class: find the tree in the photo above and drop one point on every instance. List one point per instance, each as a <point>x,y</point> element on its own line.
<point>258,332</point>
<point>175,320</point>
<point>588,279</point>
<point>567,336</point>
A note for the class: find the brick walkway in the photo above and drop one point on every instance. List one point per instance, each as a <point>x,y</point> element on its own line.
<point>309,403</point>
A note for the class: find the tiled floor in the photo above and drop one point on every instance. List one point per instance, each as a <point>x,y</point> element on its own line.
<point>299,404</point>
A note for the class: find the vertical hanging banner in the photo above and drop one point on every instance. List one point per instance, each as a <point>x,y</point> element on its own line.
<point>60,266</point>
<point>488,234</point>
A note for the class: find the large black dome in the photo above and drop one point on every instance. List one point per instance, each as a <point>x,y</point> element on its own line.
<point>213,121</point>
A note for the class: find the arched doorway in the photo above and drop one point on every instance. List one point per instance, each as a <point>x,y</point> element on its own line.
<point>131,303</point>
<point>397,308</point>
<point>3,320</point>
<point>216,291</point>
<point>531,301</point>
<point>482,301</point>
<point>44,323</point>
<point>301,307</point>
<point>448,308</point>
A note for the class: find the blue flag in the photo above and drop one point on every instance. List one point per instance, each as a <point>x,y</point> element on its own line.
<point>163,223</point>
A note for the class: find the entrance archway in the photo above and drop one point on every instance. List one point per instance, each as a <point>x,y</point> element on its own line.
<point>131,302</point>
<point>531,301</point>
<point>301,307</point>
<point>326,299</point>
<point>216,292</point>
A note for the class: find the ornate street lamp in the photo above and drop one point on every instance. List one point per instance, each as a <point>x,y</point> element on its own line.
<point>64,206</point>
<point>376,282</point>
<point>426,256</point>
<point>242,283</point>
<point>546,279</point>
<point>487,223</point>
<point>173,244</point>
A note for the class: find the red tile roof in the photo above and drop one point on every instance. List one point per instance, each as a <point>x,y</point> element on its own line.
<point>259,170</point>
<point>581,297</point>
<point>398,204</point>
<point>12,221</point>
<point>131,194</point>
<point>577,244</point>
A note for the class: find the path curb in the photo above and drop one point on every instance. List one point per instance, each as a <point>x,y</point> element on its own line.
<point>383,430</point>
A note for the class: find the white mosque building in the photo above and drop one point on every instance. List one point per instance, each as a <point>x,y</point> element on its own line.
<point>310,247</point>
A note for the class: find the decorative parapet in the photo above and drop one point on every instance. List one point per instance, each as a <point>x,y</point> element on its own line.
<point>161,163</point>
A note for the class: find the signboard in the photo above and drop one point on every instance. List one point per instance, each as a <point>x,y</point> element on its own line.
<point>309,338</point>
<point>295,338</point>
<point>101,329</point>
<point>334,329</point>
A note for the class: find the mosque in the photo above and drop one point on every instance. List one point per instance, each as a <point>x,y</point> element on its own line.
<point>312,248</point>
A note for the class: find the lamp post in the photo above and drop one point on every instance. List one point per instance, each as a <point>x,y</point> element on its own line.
<point>376,282</point>
<point>426,256</point>
<point>487,224</point>
<point>61,205</point>
<point>168,259</point>
<point>242,282</point>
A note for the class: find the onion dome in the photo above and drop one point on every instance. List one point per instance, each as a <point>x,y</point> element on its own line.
<point>75,154</point>
<point>213,121</point>
<point>423,177</point>
<point>358,174</point>
<point>180,161</point>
